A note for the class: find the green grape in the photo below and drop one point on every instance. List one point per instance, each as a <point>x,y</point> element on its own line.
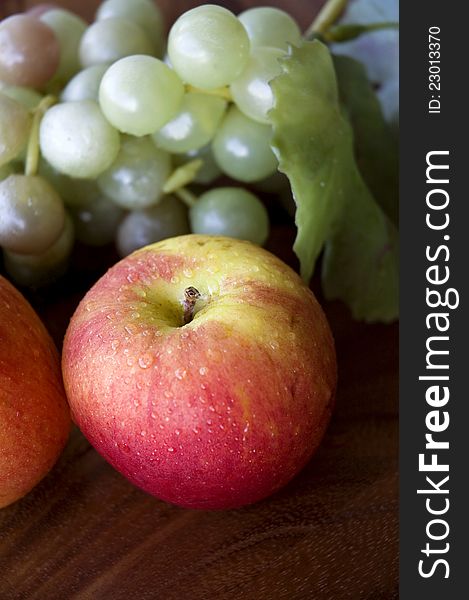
<point>269,26</point>
<point>77,140</point>
<point>85,84</point>
<point>194,126</point>
<point>142,12</point>
<point>242,148</point>
<point>24,95</point>
<point>251,91</point>
<point>29,51</point>
<point>74,192</point>
<point>31,214</point>
<point>109,40</point>
<point>136,178</point>
<point>37,270</point>
<point>140,228</point>
<point>208,172</point>
<point>208,47</point>
<point>230,211</point>
<point>140,94</point>
<point>15,124</point>
<point>96,223</point>
<point>68,29</point>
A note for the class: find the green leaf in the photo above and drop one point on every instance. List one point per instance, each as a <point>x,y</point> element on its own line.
<point>315,146</point>
<point>375,145</point>
<point>312,144</point>
<point>360,263</point>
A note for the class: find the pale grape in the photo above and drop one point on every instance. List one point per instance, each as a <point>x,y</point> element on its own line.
<point>109,40</point>
<point>140,228</point>
<point>136,178</point>
<point>29,51</point>
<point>32,214</point>
<point>15,124</point>
<point>142,12</point>
<point>24,95</point>
<point>230,211</point>
<point>242,149</point>
<point>77,140</point>
<point>85,84</point>
<point>194,126</point>
<point>74,192</point>
<point>208,172</point>
<point>251,91</point>
<point>96,223</point>
<point>140,94</point>
<point>269,26</point>
<point>37,270</point>
<point>69,29</point>
<point>208,47</point>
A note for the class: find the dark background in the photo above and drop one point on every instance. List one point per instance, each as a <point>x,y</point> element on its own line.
<point>331,534</point>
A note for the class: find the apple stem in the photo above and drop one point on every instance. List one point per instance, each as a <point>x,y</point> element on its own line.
<point>191,295</point>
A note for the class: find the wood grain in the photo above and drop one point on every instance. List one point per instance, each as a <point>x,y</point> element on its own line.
<point>331,534</point>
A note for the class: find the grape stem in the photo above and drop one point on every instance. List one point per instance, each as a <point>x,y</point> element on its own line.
<point>326,17</point>
<point>221,92</point>
<point>344,33</point>
<point>32,152</point>
<point>186,196</point>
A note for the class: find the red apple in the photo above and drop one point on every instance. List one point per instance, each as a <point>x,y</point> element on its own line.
<point>202,369</point>
<point>34,415</point>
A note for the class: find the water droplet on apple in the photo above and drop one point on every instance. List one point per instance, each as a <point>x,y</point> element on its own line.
<point>145,361</point>
<point>195,430</point>
<point>177,431</point>
<point>274,345</point>
<point>203,370</point>
<point>211,408</point>
<point>187,273</point>
<point>115,344</point>
<point>170,449</point>
<point>153,416</point>
<point>209,422</point>
<point>174,279</point>
<point>135,315</point>
<point>130,361</point>
<point>130,278</point>
<point>128,329</point>
<point>127,380</point>
<point>180,373</point>
<point>136,402</point>
<point>168,394</point>
<point>123,448</point>
<point>143,433</point>
<point>146,332</point>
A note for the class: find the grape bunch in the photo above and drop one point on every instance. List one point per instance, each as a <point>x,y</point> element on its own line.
<point>103,127</point>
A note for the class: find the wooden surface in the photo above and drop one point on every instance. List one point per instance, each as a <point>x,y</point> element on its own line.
<point>331,534</point>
